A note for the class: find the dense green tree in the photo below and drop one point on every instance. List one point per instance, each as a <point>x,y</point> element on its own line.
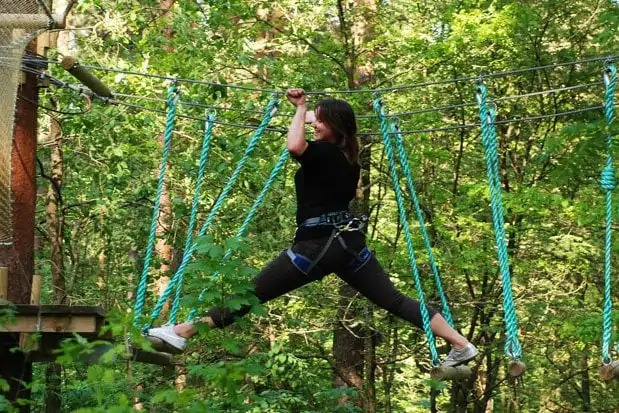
<point>282,358</point>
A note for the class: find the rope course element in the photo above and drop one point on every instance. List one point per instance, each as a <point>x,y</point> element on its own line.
<point>80,89</point>
<point>356,91</point>
<point>269,112</point>
<point>399,115</point>
<point>425,316</point>
<point>167,142</point>
<point>404,165</point>
<point>242,231</point>
<point>608,183</point>
<point>206,144</point>
<point>513,349</point>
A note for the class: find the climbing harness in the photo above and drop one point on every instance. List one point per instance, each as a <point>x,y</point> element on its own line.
<point>341,221</point>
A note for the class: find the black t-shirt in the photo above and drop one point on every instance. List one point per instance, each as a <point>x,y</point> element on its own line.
<point>325,182</point>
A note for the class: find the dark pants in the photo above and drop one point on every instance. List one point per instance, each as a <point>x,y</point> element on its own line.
<point>280,276</point>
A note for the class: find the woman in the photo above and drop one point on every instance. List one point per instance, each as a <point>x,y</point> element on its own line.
<point>328,238</point>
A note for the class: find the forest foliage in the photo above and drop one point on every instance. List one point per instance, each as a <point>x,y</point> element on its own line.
<point>281,357</point>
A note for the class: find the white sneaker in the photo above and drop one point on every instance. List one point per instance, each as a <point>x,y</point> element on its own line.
<point>169,337</point>
<point>459,356</point>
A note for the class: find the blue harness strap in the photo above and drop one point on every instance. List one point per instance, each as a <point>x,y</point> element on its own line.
<point>305,265</point>
<point>361,259</point>
<point>302,263</point>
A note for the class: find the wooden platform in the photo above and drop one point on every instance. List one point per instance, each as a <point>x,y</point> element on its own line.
<point>53,323</point>
<point>86,321</point>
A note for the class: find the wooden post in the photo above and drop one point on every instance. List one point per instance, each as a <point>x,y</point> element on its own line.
<point>516,369</point>
<point>4,284</point>
<point>71,65</point>
<point>25,339</point>
<point>35,294</point>
<point>451,373</point>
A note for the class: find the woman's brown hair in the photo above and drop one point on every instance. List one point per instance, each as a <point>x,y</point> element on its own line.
<point>340,117</point>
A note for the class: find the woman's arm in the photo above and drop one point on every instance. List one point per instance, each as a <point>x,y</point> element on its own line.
<point>296,134</point>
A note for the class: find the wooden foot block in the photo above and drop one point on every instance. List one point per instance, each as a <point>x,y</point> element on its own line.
<point>162,346</point>
<point>516,369</point>
<point>97,353</point>
<point>152,357</point>
<point>451,373</point>
<point>610,371</point>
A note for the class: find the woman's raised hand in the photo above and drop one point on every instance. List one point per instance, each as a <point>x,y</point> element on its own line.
<point>296,97</point>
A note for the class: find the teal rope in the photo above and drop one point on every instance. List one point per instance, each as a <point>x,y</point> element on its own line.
<point>206,144</point>
<point>404,164</point>
<point>608,183</point>
<point>425,316</point>
<point>167,141</point>
<point>269,112</point>
<point>279,166</point>
<point>513,349</point>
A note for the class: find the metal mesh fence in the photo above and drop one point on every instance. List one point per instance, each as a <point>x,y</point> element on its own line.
<point>20,21</point>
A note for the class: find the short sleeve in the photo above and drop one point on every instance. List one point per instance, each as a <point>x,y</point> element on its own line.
<point>316,152</point>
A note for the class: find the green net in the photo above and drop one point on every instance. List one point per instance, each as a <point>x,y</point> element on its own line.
<point>20,22</point>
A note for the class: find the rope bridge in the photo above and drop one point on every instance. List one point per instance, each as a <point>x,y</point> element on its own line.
<point>392,138</point>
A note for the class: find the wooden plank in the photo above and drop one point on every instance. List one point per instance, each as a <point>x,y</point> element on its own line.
<point>48,309</point>
<point>52,324</point>
<point>55,319</point>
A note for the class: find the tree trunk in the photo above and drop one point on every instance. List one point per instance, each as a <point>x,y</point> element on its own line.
<point>354,352</point>
<point>55,215</point>
<point>162,248</point>
<point>53,387</point>
<point>55,223</point>
<point>585,383</point>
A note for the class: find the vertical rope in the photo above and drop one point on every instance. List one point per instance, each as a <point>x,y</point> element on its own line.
<point>405,165</point>
<point>425,316</point>
<point>608,183</point>
<point>279,166</point>
<point>513,349</point>
<point>167,141</point>
<point>269,112</point>
<point>206,144</point>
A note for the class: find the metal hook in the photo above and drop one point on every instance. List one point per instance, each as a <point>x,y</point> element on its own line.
<point>607,73</point>
<point>396,123</point>
<point>209,115</point>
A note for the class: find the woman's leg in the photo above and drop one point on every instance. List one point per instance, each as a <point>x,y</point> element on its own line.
<point>372,281</point>
<point>279,277</point>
